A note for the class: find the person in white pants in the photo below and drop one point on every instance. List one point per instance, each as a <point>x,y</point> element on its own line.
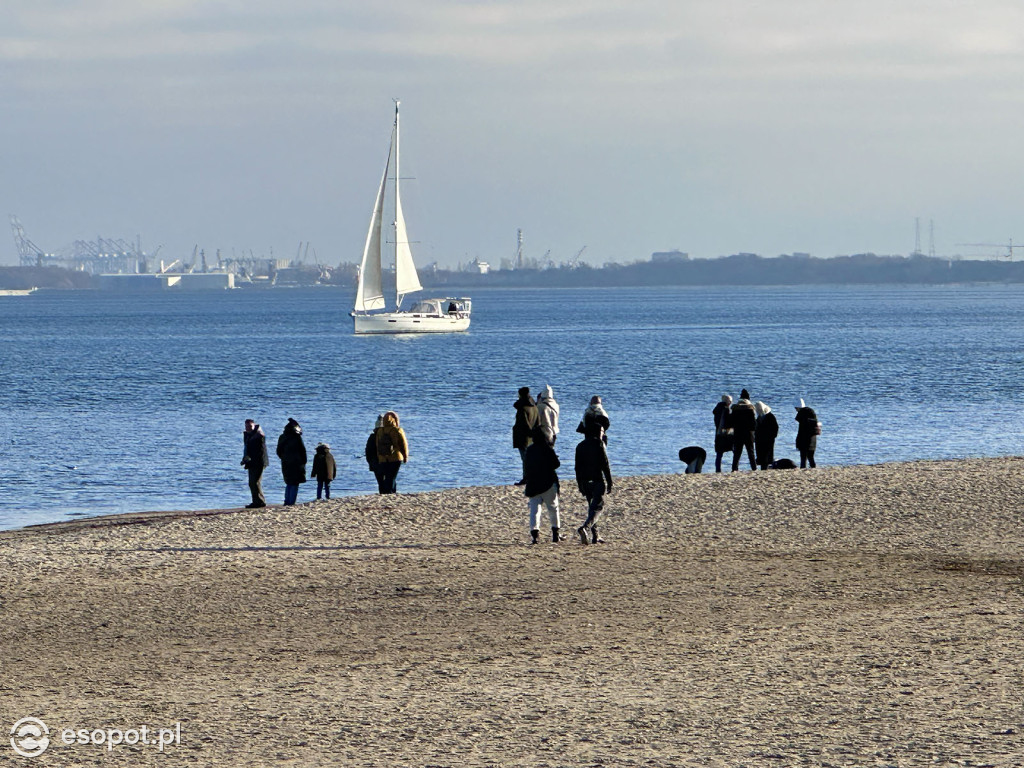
<point>542,484</point>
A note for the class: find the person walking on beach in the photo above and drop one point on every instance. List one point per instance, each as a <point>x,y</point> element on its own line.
<point>255,460</point>
<point>744,424</point>
<point>324,470</point>
<point>807,432</point>
<point>371,452</point>
<point>723,429</point>
<point>547,414</point>
<point>596,413</point>
<point>765,434</point>
<point>527,417</point>
<point>593,478</point>
<point>392,452</point>
<point>292,452</point>
<point>542,484</point>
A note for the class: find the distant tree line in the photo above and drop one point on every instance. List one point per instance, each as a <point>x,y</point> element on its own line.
<point>740,269</point>
<point>749,269</point>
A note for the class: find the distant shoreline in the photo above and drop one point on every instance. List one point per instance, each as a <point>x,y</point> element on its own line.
<point>739,269</point>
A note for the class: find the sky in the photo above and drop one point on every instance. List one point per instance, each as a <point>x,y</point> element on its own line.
<point>712,127</point>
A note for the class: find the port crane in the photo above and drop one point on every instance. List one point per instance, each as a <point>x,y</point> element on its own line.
<point>29,254</point>
<point>575,260</point>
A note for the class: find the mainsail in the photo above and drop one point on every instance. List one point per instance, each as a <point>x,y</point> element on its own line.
<point>369,292</point>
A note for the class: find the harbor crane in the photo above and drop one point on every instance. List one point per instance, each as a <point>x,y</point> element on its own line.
<point>1008,246</point>
<point>575,260</point>
<point>29,254</point>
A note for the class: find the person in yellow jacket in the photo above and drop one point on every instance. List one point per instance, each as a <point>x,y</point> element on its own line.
<point>392,452</point>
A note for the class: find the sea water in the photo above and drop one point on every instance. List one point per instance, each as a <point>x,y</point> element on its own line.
<point>121,403</point>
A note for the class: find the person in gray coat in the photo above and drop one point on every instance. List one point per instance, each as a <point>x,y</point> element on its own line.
<point>324,470</point>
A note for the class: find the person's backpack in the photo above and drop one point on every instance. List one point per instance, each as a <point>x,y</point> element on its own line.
<point>385,443</point>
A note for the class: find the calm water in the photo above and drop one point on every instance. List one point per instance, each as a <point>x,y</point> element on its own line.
<point>129,403</point>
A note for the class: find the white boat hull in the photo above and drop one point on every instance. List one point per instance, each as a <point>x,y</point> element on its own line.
<point>409,322</point>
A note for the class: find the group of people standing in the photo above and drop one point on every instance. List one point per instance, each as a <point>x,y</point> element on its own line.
<point>386,450</point>
<point>743,426</point>
<point>753,427</point>
<point>534,434</point>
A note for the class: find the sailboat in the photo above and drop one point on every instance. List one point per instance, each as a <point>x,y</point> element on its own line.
<point>445,315</point>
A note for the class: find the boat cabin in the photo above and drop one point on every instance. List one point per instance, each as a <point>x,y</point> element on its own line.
<point>453,307</point>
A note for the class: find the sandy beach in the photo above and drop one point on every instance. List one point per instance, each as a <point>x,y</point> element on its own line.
<point>854,616</point>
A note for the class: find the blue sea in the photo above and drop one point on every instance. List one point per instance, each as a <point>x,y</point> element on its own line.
<point>122,403</point>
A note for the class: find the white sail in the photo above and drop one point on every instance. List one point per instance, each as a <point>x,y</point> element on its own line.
<point>406,278</point>
<point>370,292</point>
<point>434,315</point>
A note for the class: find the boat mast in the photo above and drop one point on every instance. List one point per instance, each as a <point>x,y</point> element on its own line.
<point>394,226</point>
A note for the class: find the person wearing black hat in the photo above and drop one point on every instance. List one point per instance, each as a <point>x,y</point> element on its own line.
<point>292,452</point>
<point>527,417</point>
<point>255,461</point>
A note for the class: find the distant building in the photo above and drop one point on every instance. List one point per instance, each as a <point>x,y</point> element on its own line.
<point>674,255</point>
<point>480,267</point>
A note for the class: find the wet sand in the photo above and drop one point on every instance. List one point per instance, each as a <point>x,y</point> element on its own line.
<point>854,616</point>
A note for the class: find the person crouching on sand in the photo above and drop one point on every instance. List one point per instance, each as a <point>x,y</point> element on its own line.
<point>542,484</point>
<point>392,452</point>
<point>594,479</point>
<point>324,470</point>
<point>292,452</point>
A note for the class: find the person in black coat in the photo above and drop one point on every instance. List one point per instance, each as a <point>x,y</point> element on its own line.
<point>541,486</point>
<point>723,429</point>
<point>292,452</point>
<point>371,453</point>
<point>593,478</point>
<point>744,424</point>
<point>806,433</point>
<point>255,460</point>
<point>527,417</point>
<point>765,434</point>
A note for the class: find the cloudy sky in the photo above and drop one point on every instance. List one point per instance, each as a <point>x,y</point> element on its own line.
<point>715,127</point>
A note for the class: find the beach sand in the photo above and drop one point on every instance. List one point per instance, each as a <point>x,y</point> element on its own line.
<point>854,616</point>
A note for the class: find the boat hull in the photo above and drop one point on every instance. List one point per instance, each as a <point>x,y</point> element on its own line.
<point>409,322</point>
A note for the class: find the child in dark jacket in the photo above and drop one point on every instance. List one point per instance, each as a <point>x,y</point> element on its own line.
<point>324,470</point>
